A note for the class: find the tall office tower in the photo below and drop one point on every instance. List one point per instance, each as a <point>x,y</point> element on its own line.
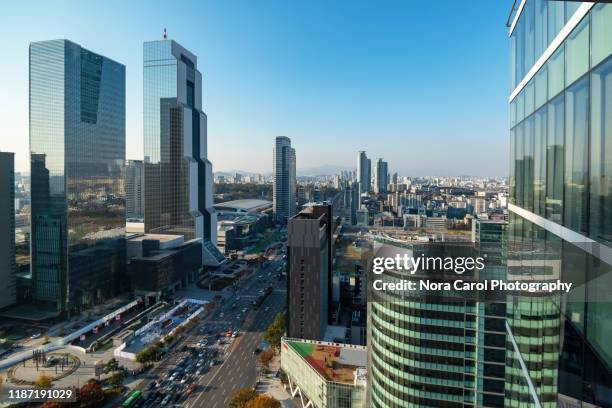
<point>134,189</point>
<point>394,179</point>
<point>77,152</point>
<point>8,293</point>
<point>427,349</point>
<point>309,254</point>
<point>284,188</point>
<point>363,173</point>
<point>559,348</point>
<point>178,175</point>
<point>381,176</point>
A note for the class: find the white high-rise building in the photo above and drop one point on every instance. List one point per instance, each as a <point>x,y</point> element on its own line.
<point>381,176</point>
<point>284,190</point>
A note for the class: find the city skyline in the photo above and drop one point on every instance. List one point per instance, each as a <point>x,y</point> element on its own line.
<point>319,95</point>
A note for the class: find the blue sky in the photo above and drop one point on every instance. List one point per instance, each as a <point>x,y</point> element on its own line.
<point>422,84</point>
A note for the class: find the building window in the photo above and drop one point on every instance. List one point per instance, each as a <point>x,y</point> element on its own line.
<point>601,154</point>
<point>554,159</point>
<point>577,48</point>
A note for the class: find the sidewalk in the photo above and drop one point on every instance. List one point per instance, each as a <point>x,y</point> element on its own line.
<point>273,387</point>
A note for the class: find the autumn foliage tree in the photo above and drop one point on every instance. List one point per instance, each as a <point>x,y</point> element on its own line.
<point>241,397</point>
<point>263,401</point>
<point>266,356</point>
<point>91,393</point>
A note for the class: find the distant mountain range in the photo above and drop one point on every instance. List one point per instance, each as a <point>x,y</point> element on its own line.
<point>324,170</point>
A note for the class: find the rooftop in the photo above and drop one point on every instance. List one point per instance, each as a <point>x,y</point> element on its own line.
<point>156,237</point>
<point>333,361</point>
<point>246,205</point>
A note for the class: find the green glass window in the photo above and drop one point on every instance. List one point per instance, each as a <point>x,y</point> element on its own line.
<point>528,164</point>
<point>556,18</point>
<point>601,153</point>
<point>519,168</point>
<point>556,72</point>
<point>576,155</point>
<point>541,26</point>
<point>539,162</point>
<point>541,87</point>
<point>577,48</point>
<point>554,158</point>
<point>529,98</point>
<point>520,107</point>
<point>601,26</point>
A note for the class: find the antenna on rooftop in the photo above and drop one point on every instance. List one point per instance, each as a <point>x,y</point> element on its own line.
<point>165,34</point>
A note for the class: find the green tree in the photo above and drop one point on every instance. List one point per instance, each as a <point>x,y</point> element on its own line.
<point>111,365</point>
<point>275,331</point>
<point>117,378</point>
<point>241,397</point>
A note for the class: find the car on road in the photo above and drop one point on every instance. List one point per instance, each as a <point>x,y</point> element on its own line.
<point>267,308</point>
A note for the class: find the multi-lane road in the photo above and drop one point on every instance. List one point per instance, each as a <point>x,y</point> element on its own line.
<point>226,363</point>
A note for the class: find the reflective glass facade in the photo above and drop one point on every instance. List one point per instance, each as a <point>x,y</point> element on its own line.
<point>284,189</point>
<point>178,176</point>
<point>561,210</point>
<point>77,145</point>
<point>426,350</point>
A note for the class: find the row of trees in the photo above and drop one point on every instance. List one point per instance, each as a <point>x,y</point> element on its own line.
<point>248,398</point>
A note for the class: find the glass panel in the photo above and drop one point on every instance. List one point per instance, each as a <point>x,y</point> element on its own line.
<point>513,113</point>
<point>601,153</point>
<point>519,32</point>
<point>541,27</point>
<point>528,164</point>
<point>528,16</point>
<point>520,106</point>
<point>576,155</point>
<point>512,167</point>
<point>554,159</point>
<point>556,18</point>
<point>556,67</point>
<point>518,166</point>
<point>577,48</point>
<point>570,9</point>
<point>529,98</point>
<point>539,163</point>
<point>601,24</point>
<point>541,87</point>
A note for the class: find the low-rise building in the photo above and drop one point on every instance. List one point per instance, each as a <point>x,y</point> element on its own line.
<point>326,375</point>
<point>159,264</point>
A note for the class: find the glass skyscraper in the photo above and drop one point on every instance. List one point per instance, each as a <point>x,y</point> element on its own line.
<point>284,188</point>
<point>559,349</point>
<point>178,175</point>
<point>77,146</point>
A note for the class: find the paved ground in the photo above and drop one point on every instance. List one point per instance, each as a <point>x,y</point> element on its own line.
<point>234,363</point>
